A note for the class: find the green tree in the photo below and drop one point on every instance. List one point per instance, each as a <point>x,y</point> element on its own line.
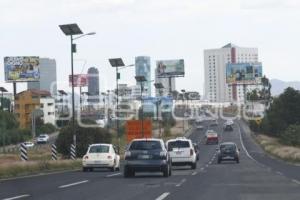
<point>85,137</point>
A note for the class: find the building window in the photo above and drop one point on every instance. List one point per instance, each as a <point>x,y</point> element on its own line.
<point>51,104</point>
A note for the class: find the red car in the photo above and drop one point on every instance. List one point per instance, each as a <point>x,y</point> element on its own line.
<point>211,137</point>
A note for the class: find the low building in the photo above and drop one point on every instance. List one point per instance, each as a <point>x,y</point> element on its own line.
<point>28,101</point>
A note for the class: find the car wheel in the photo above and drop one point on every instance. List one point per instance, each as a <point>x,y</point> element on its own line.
<point>219,161</point>
<point>237,160</point>
<point>166,171</point>
<point>84,169</point>
<point>91,169</point>
<point>170,171</point>
<point>128,173</point>
<point>194,165</point>
<point>112,169</point>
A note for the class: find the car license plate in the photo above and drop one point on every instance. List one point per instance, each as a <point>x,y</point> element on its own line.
<point>144,156</point>
<point>98,162</point>
<point>178,153</point>
<point>227,157</point>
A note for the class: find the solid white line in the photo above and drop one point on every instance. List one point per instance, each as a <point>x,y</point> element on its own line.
<point>279,173</point>
<point>296,181</point>
<point>73,184</point>
<point>18,197</point>
<point>181,182</point>
<point>243,146</point>
<point>112,175</point>
<point>163,196</point>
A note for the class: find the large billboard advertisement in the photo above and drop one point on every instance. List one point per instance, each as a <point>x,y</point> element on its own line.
<point>243,73</point>
<point>166,68</point>
<point>22,69</point>
<point>79,80</point>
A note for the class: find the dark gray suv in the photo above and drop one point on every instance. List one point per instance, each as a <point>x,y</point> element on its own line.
<point>228,151</point>
<point>147,155</point>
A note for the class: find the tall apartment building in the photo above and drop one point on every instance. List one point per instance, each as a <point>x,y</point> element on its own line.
<point>47,77</point>
<point>143,68</point>
<point>215,61</point>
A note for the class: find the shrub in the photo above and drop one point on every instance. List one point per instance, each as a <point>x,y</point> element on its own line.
<point>84,137</point>
<point>291,136</point>
<point>46,128</point>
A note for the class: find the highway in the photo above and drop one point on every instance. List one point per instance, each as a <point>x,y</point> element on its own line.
<point>257,176</point>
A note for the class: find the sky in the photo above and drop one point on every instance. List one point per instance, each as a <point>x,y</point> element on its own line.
<point>161,29</point>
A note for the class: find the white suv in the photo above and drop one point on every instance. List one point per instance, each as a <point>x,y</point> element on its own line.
<point>182,152</point>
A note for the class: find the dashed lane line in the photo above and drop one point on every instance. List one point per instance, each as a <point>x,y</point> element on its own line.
<point>163,196</point>
<point>18,197</point>
<point>194,173</point>
<point>181,182</point>
<point>73,184</point>
<point>112,175</point>
<point>296,181</point>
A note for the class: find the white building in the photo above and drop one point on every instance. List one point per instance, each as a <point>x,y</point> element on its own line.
<point>215,61</point>
<point>47,77</point>
<point>47,105</point>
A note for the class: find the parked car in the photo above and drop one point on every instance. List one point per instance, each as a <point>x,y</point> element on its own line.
<point>228,151</point>
<point>147,155</point>
<point>101,156</point>
<point>28,144</point>
<point>182,152</point>
<point>211,137</point>
<point>42,139</point>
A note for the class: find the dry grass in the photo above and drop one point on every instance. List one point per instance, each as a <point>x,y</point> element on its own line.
<point>276,149</point>
<point>36,167</point>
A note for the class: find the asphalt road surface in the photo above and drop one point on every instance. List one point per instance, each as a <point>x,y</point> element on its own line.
<point>256,177</point>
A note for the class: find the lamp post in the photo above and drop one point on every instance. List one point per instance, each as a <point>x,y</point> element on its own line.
<point>141,80</point>
<point>184,110</point>
<point>71,30</point>
<point>159,87</point>
<point>2,89</point>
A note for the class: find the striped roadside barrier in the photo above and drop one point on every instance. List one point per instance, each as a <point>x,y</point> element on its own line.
<point>23,151</point>
<point>54,152</point>
<point>73,152</point>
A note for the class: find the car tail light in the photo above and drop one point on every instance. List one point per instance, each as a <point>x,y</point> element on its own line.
<point>86,157</point>
<point>127,154</point>
<point>109,157</point>
<point>191,152</point>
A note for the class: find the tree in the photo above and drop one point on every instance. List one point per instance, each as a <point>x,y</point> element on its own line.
<point>283,111</point>
<point>85,137</point>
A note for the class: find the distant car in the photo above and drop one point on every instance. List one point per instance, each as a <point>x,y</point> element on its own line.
<point>147,155</point>
<point>101,156</point>
<point>182,152</point>
<point>214,122</point>
<point>211,137</point>
<point>196,147</point>
<point>228,151</point>
<point>28,144</point>
<point>42,139</point>
<point>228,125</point>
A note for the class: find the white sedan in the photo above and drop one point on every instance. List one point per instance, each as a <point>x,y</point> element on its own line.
<point>101,156</point>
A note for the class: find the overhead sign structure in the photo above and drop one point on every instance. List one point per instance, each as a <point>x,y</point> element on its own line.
<point>79,80</point>
<point>134,129</point>
<point>243,73</point>
<point>169,68</point>
<point>22,69</point>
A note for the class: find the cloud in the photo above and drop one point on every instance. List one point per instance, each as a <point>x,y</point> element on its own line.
<point>270,4</point>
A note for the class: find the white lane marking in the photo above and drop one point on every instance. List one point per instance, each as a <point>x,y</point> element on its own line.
<point>206,165</point>
<point>163,196</point>
<point>210,163</point>
<point>194,173</point>
<point>181,182</point>
<point>112,175</point>
<point>202,169</point>
<point>73,184</point>
<point>296,181</point>
<point>18,197</point>
<point>279,173</point>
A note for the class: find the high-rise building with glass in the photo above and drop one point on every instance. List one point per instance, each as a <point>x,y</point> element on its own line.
<point>143,68</point>
<point>93,84</point>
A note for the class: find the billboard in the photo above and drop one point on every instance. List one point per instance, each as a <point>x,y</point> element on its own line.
<point>133,129</point>
<point>79,80</point>
<point>22,69</point>
<point>243,73</point>
<point>166,68</point>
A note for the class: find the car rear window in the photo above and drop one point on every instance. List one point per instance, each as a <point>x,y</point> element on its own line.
<point>99,149</point>
<point>178,144</point>
<point>145,145</point>
<point>230,147</point>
